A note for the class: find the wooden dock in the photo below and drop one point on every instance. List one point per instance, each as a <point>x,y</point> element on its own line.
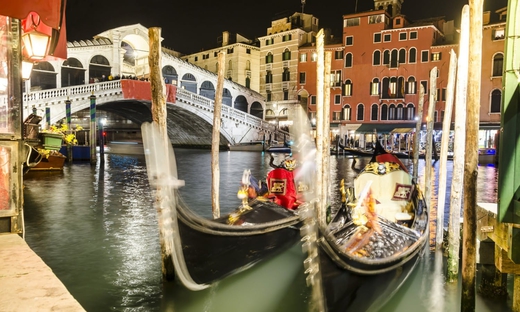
<point>506,245</point>
<point>27,283</point>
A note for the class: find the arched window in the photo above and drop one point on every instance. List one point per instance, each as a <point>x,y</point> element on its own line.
<point>400,87</point>
<point>347,113</point>
<point>375,112</point>
<point>402,56</point>
<point>411,86</point>
<point>391,112</point>
<point>498,64</point>
<point>374,87</point>
<point>286,55</point>
<point>269,77</point>
<point>360,111</point>
<point>269,58</point>
<point>347,88</point>
<point>384,112</point>
<point>286,76</point>
<point>412,55</point>
<point>400,112</point>
<point>410,111</point>
<point>376,58</point>
<point>496,100</point>
<point>348,60</point>
<point>386,57</point>
<point>392,87</point>
<point>393,59</point>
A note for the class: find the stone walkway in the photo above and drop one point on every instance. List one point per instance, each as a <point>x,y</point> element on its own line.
<point>27,283</point>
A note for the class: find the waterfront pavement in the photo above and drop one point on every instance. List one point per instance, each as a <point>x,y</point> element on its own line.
<point>27,283</point>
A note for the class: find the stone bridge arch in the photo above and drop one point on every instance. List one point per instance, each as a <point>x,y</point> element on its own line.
<point>184,127</point>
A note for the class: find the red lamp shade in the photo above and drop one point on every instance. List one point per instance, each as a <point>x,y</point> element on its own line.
<point>36,37</point>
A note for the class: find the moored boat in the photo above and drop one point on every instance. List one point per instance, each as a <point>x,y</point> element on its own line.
<point>373,241</point>
<point>204,250</point>
<point>254,146</point>
<point>51,162</point>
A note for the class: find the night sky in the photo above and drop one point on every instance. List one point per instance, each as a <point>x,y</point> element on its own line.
<point>195,25</point>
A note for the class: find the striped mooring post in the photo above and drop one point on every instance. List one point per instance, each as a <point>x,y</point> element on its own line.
<point>68,117</point>
<point>93,131</point>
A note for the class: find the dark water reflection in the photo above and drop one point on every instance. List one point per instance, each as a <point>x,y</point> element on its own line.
<point>96,227</point>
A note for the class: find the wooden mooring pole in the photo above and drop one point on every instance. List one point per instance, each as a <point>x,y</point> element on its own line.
<point>469,239</point>
<point>429,138</point>
<point>458,149</point>
<point>326,134</point>
<point>159,117</point>
<point>320,119</point>
<point>215,139</point>
<point>446,125</point>
<point>417,139</point>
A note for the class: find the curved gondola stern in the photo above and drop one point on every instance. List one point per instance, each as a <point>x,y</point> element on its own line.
<point>162,175</point>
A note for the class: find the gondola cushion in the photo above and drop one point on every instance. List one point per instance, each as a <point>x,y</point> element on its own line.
<point>383,189</point>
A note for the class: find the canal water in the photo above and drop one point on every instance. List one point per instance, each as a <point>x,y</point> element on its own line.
<point>96,227</point>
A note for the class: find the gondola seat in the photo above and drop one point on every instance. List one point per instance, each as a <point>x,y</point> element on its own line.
<point>387,189</point>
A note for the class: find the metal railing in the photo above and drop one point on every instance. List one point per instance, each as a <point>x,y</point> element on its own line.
<point>112,91</point>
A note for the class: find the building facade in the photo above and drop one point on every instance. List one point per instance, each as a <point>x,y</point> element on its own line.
<point>279,64</point>
<point>383,61</point>
<point>242,60</point>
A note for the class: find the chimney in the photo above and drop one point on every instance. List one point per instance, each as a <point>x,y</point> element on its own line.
<point>225,38</point>
<point>486,17</point>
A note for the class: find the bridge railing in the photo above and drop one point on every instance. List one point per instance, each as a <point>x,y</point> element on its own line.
<point>51,97</point>
<point>227,111</point>
<point>57,97</point>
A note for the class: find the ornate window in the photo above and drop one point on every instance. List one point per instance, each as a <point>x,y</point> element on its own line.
<point>269,58</point>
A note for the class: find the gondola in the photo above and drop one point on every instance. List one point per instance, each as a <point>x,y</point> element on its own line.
<point>205,251</point>
<point>372,243</point>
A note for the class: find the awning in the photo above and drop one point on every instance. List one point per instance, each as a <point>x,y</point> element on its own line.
<point>384,128</point>
<point>52,14</point>
<point>402,130</point>
<point>489,126</point>
<point>49,10</point>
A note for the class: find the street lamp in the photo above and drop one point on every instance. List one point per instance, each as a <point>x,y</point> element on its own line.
<point>36,37</point>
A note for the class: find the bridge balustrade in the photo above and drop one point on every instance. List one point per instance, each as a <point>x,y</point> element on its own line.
<point>112,91</point>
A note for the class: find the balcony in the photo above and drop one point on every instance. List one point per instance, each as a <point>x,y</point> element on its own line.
<point>268,87</point>
<point>269,66</point>
<point>285,85</point>
<point>286,64</point>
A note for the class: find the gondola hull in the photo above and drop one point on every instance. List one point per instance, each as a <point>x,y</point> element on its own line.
<point>345,290</point>
<point>214,249</point>
<point>372,242</point>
